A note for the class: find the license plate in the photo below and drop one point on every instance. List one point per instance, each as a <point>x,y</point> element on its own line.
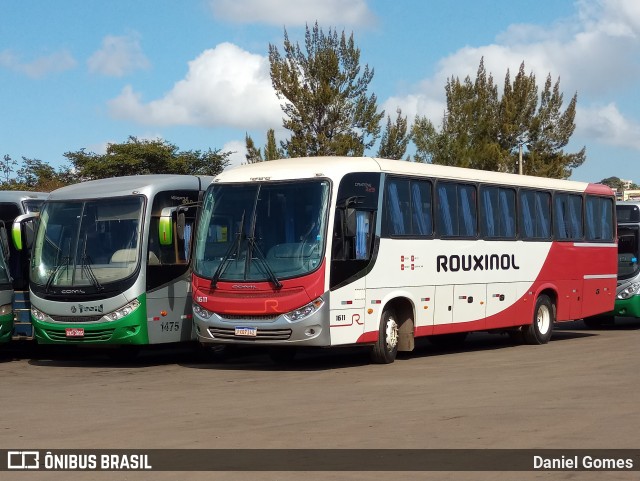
<point>74,331</point>
<point>246,331</point>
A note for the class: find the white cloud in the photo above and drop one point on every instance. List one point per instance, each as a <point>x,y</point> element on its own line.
<point>225,86</point>
<point>118,56</point>
<point>607,125</point>
<point>294,12</point>
<point>238,149</point>
<point>596,54</point>
<point>55,62</point>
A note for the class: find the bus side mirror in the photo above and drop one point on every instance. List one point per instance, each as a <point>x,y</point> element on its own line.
<point>23,231</point>
<point>165,227</point>
<point>350,222</point>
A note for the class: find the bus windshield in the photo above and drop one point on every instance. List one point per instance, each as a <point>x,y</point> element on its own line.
<point>262,232</point>
<point>87,243</point>
<point>628,250</point>
<point>5,277</point>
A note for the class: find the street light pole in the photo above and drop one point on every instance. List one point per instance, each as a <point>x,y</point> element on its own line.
<point>520,160</point>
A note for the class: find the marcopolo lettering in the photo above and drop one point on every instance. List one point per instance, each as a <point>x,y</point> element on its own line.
<point>469,262</point>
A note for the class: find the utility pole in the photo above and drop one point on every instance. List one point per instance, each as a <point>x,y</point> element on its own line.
<point>520,159</point>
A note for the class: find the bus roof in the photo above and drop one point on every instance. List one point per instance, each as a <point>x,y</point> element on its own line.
<point>337,167</point>
<point>121,186</point>
<point>20,195</point>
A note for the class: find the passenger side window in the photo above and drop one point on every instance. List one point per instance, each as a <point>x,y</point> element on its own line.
<point>535,215</point>
<point>599,218</point>
<point>567,214</point>
<point>456,212</point>
<point>408,208</point>
<point>498,208</point>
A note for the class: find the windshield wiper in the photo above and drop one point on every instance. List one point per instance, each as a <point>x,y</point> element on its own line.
<point>86,269</point>
<point>57,269</point>
<point>253,245</point>
<point>233,249</point>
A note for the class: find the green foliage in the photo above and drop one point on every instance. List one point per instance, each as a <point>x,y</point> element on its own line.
<point>33,175</point>
<point>327,109</point>
<point>395,138</point>
<point>617,184</point>
<point>139,157</point>
<point>271,150</point>
<point>482,131</point>
<point>253,154</point>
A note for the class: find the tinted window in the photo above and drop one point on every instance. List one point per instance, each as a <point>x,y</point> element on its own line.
<point>408,208</point>
<point>599,218</point>
<point>456,214</point>
<point>535,214</point>
<point>498,207</point>
<point>567,214</point>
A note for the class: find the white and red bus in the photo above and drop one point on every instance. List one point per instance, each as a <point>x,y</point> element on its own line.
<point>336,251</point>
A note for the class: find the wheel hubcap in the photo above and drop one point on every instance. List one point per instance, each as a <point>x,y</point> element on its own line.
<point>543,319</point>
<point>391,332</point>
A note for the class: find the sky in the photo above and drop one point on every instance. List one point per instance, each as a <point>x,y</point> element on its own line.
<point>79,74</point>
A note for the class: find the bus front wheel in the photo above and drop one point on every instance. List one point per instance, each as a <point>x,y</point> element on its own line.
<point>385,349</point>
<point>540,330</point>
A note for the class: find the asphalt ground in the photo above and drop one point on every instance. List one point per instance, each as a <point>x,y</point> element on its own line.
<point>580,391</point>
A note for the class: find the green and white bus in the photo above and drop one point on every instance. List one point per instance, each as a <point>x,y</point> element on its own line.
<point>628,289</point>
<point>6,289</point>
<point>14,204</point>
<point>110,261</point>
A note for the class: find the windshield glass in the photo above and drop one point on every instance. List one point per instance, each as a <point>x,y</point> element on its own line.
<point>261,232</point>
<point>32,205</point>
<point>87,243</point>
<point>5,278</point>
<point>627,251</point>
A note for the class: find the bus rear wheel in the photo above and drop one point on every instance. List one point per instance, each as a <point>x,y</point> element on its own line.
<point>385,349</point>
<point>540,330</point>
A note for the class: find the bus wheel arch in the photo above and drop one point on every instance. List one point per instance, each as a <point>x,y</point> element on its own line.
<point>395,331</point>
<point>540,329</point>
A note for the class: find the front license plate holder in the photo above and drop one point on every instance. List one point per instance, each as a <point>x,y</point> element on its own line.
<point>74,332</point>
<point>243,331</point>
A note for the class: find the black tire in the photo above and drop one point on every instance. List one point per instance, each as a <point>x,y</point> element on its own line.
<point>385,350</point>
<point>282,355</point>
<point>455,339</point>
<point>541,327</point>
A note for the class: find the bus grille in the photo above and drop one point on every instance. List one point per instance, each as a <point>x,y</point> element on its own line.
<point>263,334</point>
<point>89,336</point>
<point>76,318</point>
<point>232,317</point>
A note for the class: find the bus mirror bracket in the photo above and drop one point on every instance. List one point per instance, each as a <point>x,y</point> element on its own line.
<point>350,222</point>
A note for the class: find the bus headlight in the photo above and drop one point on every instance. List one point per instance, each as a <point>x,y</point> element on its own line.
<point>6,309</point>
<point>201,311</point>
<point>123,311</point>
<point>629,291</point>
<point>38,314</point>
<point>304,311</point>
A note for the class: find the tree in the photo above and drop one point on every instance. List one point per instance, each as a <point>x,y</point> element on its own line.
<point>138,157</point>
<point>395,138</point>
<point>35,175</point>
<point>8,167</point>
<point>271,150</point>
<point>326,106</point>
<point>617,184</point>
<point>482,131</point>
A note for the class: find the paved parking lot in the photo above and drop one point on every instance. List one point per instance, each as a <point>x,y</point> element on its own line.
<point>579,391</point>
